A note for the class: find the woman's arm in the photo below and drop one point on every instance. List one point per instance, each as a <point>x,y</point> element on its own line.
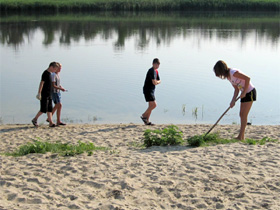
<point>235,94</point>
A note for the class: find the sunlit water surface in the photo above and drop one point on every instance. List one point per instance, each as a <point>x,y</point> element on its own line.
<point>104,68</point>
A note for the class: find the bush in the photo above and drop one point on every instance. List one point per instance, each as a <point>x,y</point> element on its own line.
<point>168,136</point>
<point>214,139</point>
<point>60,148</point>
<point>210,139</point>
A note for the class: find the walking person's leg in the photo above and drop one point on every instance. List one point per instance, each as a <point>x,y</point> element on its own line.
<point>35,119</point>
<point>58,108</point>
<point>54,109</point>
<point>43,109</point>
<point>58,113</point>
<point>148,112</point>
<point>51,124</point>
<point>49,112</point>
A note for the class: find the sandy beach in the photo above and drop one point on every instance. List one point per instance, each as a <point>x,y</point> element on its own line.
<point>232,176</point>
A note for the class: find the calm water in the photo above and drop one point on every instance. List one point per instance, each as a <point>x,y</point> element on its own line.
<point>105,58</point>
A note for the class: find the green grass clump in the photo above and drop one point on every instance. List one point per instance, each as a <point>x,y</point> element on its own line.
<point>214,139</point>
<point>60,148</point>
<point>167,136</point>
<point>210,139</point>
<point>260,142</point>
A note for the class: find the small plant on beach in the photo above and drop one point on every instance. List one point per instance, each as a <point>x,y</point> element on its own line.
<point>260,142</point>
<point>207,140</point>
<point>167,136</point>
<point>60,148</point>
<point>214,139</point>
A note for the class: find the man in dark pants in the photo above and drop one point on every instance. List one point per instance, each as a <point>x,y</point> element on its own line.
<point>45,94</point>
<point>152,79</point>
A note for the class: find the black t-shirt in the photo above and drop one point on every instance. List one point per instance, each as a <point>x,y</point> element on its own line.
<point>47,87</point>
<point>148,85</point>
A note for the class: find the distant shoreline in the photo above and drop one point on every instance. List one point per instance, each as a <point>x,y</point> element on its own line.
<point>144,5</point>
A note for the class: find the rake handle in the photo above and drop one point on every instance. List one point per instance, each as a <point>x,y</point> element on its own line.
<point>220,118</point>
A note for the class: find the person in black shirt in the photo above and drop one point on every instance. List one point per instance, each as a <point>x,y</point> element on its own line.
<point>152,79</point>
<point>45,94</point>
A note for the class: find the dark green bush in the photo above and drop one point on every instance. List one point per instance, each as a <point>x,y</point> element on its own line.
<point>210,139</point>
<point>168,136</point>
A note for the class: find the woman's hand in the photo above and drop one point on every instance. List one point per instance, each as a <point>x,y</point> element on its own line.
<point>243,94</point>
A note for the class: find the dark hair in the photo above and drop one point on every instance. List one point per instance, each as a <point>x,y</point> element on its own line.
<point>221,69</point>
<point>54,64</point>
<point>156,60</point>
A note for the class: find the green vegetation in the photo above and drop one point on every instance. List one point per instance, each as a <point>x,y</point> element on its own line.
<point>167,136</point>
<point>173,136</point>
<point>194,112</point>
<point>261,141</point>
<point>210,139</point>
<point>60,148</point>
<point>136,5</point>
<point>159,26</point>
<point>214,139</point>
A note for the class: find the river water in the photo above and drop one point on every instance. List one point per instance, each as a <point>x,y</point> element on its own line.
<point>105,57</point>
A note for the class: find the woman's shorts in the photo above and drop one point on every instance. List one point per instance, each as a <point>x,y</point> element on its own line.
<point>56,98</point>
<point>46,104</point>
<point>150,96</point>
<point>251,96</point>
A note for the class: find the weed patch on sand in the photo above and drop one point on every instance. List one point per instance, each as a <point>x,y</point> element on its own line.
<point>214,139</point>
<point>60,148</point>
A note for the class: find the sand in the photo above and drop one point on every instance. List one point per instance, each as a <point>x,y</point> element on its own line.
<point>232,176</point>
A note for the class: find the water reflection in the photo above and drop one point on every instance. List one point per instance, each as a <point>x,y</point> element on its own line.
<point>16,30</point>
<point>121,46</point>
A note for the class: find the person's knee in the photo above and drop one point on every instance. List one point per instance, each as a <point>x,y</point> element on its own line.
<point>154,105</point>
<point>58,105</point>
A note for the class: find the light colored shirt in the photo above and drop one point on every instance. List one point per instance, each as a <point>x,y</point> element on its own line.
<point>240,83</point>
<point>56,80</point>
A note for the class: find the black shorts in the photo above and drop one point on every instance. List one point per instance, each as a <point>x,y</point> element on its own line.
<point>251,96</point>
<point>46,105</point>
<point>150,96</point>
